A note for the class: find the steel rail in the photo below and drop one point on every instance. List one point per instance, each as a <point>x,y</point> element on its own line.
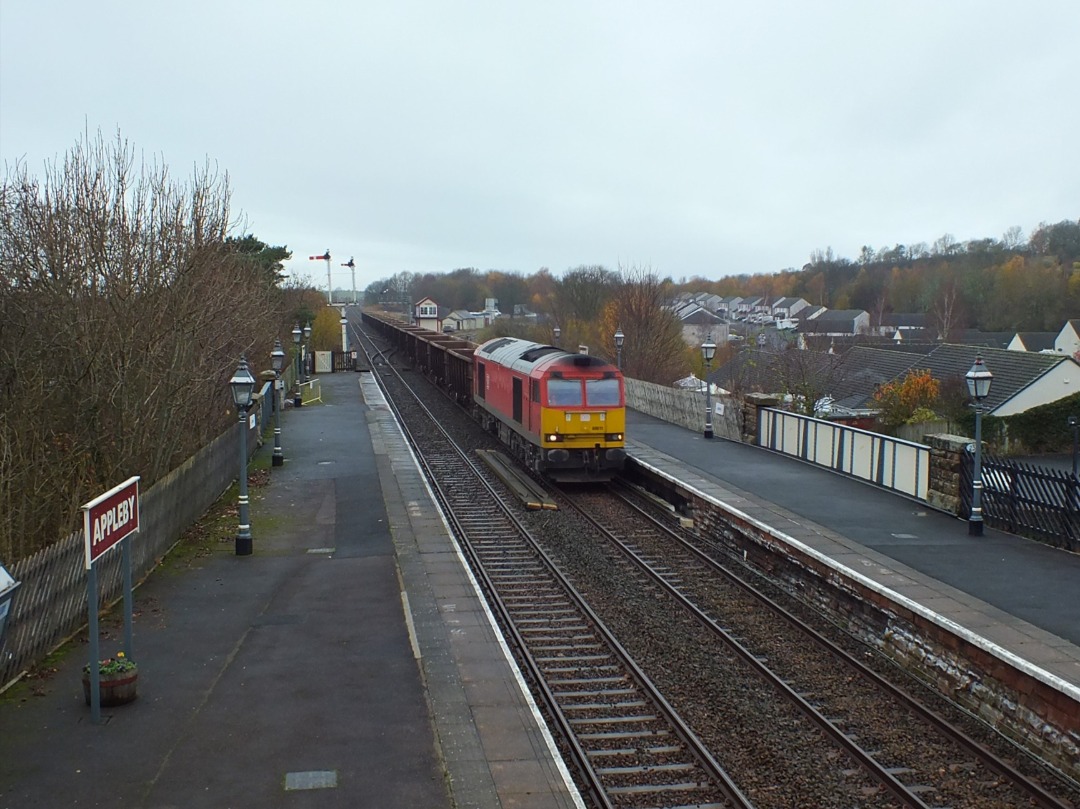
<point>945,728</point>
<point>486,534</point>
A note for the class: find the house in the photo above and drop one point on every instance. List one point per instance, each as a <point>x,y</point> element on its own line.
<point>865,369</point>
<point>700,324</point>
<point>728,306</point>
<point>788,308</point>
<point>461,320</point>
<point>747,306</point>
<point>1068,339</point>
<point>714,303</point>
<point>990,339</point>
<point>684,308</point>
<point>1022,380</point>
<point>837,323</point>
<point>465,320</point>
<point>426,314</point>
<point>1032,341</point>
<point>902,326</point>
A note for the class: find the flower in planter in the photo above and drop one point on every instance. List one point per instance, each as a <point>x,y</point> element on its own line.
<point>111,666</point>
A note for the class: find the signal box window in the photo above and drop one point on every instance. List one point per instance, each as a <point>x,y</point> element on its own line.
<point>564,393</point>
<point>602,392</point>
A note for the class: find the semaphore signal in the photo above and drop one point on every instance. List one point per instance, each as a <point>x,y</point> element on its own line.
<point>329,284</point>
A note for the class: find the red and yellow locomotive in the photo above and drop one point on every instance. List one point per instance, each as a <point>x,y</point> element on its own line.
<point>562,414</point>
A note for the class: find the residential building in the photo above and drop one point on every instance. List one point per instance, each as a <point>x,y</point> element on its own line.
<point>1068,339</point>
<point>1032,341</point>
<point>701,324</point>
<point>902,326</point>
<point>426,314</point>
<point>837,323</point>
<point>788,308</point>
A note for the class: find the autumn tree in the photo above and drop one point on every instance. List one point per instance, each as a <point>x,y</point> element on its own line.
<point>326,330</point>
<point>908,400</point>
<point>653,350</point>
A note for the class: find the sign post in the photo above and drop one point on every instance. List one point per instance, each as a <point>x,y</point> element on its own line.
<point>108,520</point>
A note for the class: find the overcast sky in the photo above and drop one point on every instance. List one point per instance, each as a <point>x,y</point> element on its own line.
<point>695,138</point>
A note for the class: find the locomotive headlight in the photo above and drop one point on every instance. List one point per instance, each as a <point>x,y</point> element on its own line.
<point>554,437</point>
<point>614,437</point>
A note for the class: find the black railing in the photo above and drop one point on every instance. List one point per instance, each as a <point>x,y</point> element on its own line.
<point>1033,501</point>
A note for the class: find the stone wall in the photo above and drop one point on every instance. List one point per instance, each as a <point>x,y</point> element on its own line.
<point>946,457</point>
<point>684,407</point>
<point>1034,713</point>
<point>752,404</point>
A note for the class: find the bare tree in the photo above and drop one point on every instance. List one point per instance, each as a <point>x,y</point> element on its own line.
<point>808,376</point>
<point>122,315</point>
<point>947,312</point>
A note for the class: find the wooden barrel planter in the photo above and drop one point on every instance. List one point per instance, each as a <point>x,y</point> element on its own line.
<point>115,689</point>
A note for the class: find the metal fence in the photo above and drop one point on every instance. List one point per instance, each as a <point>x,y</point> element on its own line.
<point>51,604</point>
<point>1033,501</point>
<point>901,466</point>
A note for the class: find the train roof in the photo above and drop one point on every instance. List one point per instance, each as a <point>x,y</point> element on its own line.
<point>524,355</point>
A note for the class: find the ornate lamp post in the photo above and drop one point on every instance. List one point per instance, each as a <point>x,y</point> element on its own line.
<point>978,381</point>
<point>558,333</point>
<point>307,344</point>
<point>708,351</point>
<point>619,337</point>
<point>297,335</point>
<point>242,385</point>
<point>277,362</point>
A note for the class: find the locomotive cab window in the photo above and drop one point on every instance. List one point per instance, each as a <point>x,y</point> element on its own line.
<point>602,392</point>
<point>564,393</point>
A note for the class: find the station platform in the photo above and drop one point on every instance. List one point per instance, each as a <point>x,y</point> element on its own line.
<point>1008,591</point>
<point>348,662</point>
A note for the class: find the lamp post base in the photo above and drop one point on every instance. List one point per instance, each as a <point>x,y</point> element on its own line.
<point>277,460</point>
<point>243,545</point>
<point>975,528</point>
<point>708,432</point>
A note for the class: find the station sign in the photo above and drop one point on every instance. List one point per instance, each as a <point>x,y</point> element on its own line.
<point>109,518</point>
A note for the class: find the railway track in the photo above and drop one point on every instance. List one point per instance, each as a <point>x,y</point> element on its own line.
<point>627,744</point>
<point>689,575</point>
<point>835,747</point>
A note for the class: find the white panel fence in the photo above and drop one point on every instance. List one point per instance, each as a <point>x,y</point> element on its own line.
<point>893,463</point>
